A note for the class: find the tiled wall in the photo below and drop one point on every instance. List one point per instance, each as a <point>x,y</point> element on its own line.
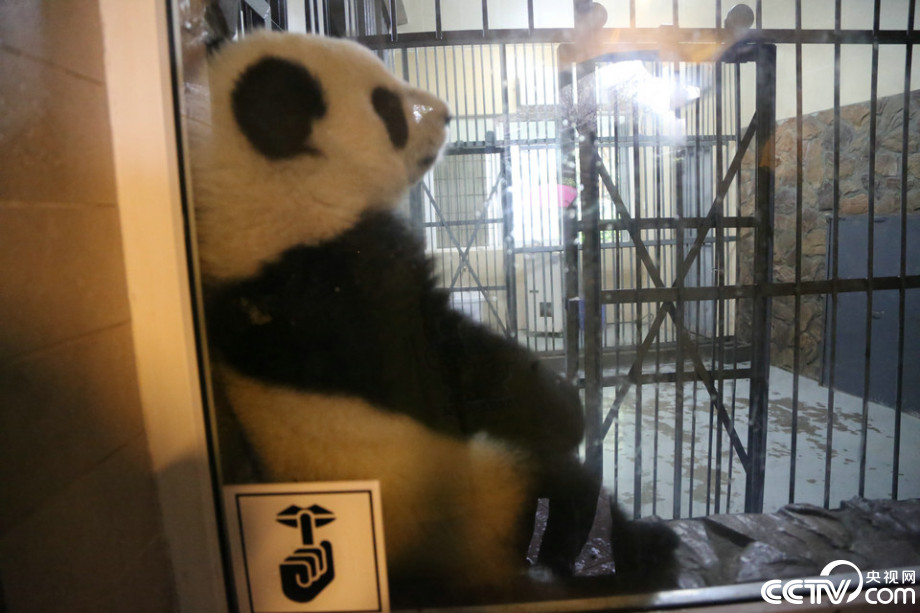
<point>80,523</point>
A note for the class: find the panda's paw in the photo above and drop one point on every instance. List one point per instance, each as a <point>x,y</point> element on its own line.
<point>644,553</point>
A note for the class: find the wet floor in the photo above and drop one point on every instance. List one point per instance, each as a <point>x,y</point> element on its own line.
<point>706,486</point>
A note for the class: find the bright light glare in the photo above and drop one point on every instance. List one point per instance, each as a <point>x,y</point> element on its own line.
<point>419,111</point>
<point>631,80</point>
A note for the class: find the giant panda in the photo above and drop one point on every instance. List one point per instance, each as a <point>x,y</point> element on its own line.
<point>339,357</point>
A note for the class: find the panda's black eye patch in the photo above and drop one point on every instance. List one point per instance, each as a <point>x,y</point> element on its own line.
<point>389,106</point>
<point>275,103</point>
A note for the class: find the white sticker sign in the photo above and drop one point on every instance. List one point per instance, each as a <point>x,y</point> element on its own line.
<point>307,546</point>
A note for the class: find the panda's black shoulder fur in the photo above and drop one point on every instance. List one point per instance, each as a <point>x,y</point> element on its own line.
<point>361,315</point>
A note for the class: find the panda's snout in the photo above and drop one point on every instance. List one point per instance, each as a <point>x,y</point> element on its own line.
<point>429,116</point>
<point>419,111</point>
<point>428,109</point>
<point>438,116</point>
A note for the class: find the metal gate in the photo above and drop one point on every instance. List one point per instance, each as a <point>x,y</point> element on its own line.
<point>657,228</point>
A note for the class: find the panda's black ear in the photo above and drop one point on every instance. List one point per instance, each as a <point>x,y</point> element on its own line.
<point>275,102</point>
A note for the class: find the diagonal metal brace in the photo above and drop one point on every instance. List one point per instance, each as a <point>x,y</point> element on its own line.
<point>464,253</point>
<point>668,308</point>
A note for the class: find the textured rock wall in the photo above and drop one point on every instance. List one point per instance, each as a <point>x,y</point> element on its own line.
<point>818,202</point>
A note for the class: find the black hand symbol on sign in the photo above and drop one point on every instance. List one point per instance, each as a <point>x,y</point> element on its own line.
<point>311,568</point>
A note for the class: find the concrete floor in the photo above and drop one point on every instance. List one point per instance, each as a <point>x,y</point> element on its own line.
<point>698,494</point>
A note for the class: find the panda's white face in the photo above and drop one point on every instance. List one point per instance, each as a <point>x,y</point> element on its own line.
<point>307,133</point>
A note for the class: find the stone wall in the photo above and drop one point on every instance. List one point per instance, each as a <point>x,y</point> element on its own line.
<point>818,203</point>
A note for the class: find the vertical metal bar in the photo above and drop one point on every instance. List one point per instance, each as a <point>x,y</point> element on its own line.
<point>416,208</point>
<point>737,268</point>
<point>637,216</point>
<point>659,213</point>
<point>551,127</point>
<point>336,24</point>
<point>675,13</point>
<point>438,28</point>
<point>763,275</point>
<point>528,97</point>
<point>704,274</point>
<point>834,250</point>
<point>617,263</point>
<point>590,210</point>
<point>510,249</point>
<point>799,187</point>
<point>361,17</point>
<point>469,93</point>
<point>732,276</point>
<point>870,272</point>
<point>679,195</point>
<point>699,305</point>
<point>485,17</point>
<point>404,64</point>
<point>394,25</point>
<point>530,21</point>
<point>430,58</point>
<point>701,131</point>
<point>712,500</point>
<point>461,90</point>
<point>619,253</point>
<point>645,209</point>
<point>464,113</point>
<point>526,167</point>
<point>309,7</point>
<point>908,60</point>
<point>718,311</point>
<point>719,356</point>
<point>448,194</point>
<point>481,79</point>
<point>695,313</point>
<point>280,22</point>
<point>567,173</point>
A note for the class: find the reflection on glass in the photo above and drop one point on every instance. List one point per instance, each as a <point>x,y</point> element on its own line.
<point>706,228</point>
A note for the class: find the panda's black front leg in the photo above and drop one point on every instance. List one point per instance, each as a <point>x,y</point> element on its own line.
<point>643,551</point>
<point>503,390</point>
<point>572,497</point>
